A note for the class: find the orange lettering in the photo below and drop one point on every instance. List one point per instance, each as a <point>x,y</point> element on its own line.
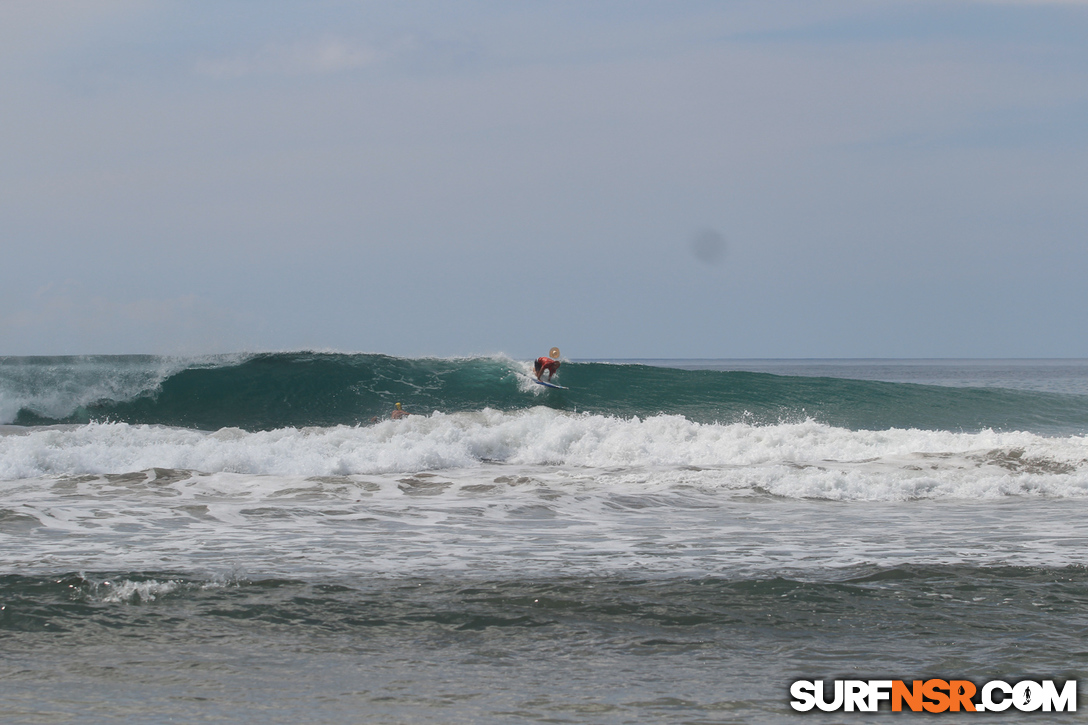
<point>913,696</point>
<point>932,690</point>
<point>961,692</point>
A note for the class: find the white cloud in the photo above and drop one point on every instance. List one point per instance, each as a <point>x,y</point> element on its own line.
<point>329,55</point>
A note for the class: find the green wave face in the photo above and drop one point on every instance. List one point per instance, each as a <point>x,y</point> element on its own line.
<point>73,602</point>
<point>276,390</point>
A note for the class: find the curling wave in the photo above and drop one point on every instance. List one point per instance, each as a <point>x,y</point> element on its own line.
<point>295,390</point>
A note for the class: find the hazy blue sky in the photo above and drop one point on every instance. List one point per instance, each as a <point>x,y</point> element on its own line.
<point>622,179</point>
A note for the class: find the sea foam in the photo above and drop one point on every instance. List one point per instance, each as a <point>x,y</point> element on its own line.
<point>804,459</point>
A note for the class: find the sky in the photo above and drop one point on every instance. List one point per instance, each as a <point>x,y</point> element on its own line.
<point>764,179</point>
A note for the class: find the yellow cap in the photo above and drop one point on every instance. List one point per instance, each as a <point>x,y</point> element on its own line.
<point>398,406</point>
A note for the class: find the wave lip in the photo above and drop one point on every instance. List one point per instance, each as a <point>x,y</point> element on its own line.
<point>43,390</point>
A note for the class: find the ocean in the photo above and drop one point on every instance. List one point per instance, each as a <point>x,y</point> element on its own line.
<point>251,538</point>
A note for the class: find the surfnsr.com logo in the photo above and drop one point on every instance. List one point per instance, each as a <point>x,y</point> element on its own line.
<point>935,696</point>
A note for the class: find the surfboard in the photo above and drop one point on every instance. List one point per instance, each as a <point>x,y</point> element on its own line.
<point>550,385</point>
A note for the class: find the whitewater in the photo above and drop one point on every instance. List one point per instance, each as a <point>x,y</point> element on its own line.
<point>797,460</point>
<point>251,537</point>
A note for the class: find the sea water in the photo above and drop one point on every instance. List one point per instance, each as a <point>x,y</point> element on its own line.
<point>234,538</point>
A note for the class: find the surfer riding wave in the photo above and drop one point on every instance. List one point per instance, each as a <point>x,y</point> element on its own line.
<point>547,364</point>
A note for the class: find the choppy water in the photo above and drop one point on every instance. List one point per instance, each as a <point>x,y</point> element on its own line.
<point>231,538</point>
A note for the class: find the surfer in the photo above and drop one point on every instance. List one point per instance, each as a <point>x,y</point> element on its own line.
<point>545,363</point>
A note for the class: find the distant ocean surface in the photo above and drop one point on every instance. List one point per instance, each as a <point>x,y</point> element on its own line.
<point>232,538</point>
